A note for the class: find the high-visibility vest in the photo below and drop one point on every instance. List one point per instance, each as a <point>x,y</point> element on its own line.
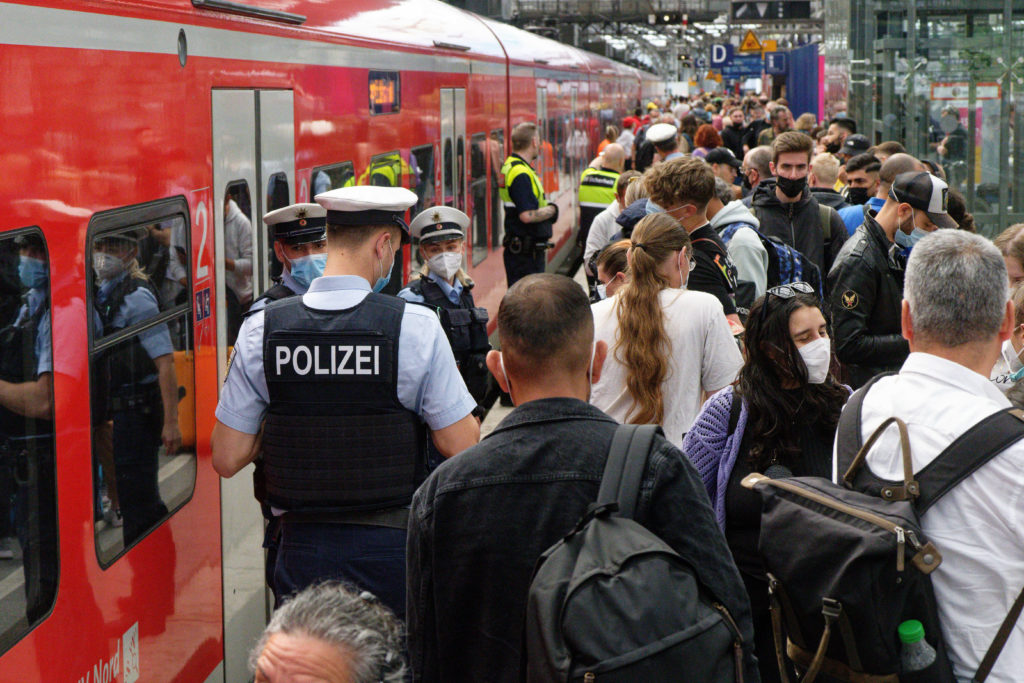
<point>597,188</point>
<point>513,167</point>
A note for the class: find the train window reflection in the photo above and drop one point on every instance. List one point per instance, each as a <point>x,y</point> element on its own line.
<point>277,198</point>
<point>332,177</point>
<point>385,170</point>
<point>421,160</point>
<point>237,255</point>
<point>141,374</point>
<point>496,149</point>
<point>28,497</point>
<point>478,194</point>
<point>460,174</point>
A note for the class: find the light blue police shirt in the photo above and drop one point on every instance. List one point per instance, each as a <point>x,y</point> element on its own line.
<point>453,292</point>
<point>43,346</point>
<point>288,281</point>
<point>429,383</point>
<point>139,306</point>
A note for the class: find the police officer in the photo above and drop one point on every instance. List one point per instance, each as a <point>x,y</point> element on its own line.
<point>597,190</point>
<point>528,215</point>
<point>442,284</point>
<point>665,138</point>
<point>348,384</point>
<point>300,244</point>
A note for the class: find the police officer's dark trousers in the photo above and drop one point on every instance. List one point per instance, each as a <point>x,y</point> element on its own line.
<point>138,420</point>
<point>518,266</point>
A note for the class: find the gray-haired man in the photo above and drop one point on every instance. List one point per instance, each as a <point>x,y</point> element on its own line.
<point>332,633</point>
<point>955,316</point>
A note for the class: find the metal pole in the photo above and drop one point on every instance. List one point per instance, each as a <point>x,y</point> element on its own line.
<point>1004,114</point>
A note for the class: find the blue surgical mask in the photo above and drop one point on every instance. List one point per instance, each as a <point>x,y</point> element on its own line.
<point>308,268</point>
<point>653,207</point>
<point>382,281</point>
<point>32,272</point>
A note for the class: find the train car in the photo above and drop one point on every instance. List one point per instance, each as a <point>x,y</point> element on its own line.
<point>152,135</point>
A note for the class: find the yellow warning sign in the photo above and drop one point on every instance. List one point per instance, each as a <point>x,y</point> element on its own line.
<point>750,43</point>
<point>769,45</point>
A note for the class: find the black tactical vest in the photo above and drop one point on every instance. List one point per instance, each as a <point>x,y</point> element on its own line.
<point>276,293</point>
<point>126,363</point>
<point>336,437</point>
<point>466,327</point>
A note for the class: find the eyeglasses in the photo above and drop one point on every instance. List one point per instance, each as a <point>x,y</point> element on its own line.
<point>784,292</point>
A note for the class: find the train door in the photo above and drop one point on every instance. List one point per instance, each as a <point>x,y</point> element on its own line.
<point>453,146</point>
<point>253,170</point>
<point>545,160</point>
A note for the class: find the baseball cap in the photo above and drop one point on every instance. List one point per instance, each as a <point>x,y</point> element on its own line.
<point>855,144</point>
<point>723,155</point>
<point>925,192</point>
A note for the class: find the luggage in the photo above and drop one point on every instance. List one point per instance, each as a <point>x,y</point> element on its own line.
<point>848,563</point>
<point>613,602</point>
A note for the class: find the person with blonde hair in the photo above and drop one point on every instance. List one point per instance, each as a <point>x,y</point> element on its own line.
<point>668,345</point>
<point>1010,243</point>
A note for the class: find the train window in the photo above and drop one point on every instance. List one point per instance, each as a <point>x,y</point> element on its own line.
<point>449,194</point>
<point>385,170</point>
<point>237,256</point>
<point>28,495</point>
<point>141,371</point>
<point>277,198</point>
<point>460,174</point>
<point>421,161</point>
<point>497,159</point>
<point>332,177</point>
<point>478,194</point>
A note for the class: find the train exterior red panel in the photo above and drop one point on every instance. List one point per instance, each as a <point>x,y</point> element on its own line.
<point>98,114</point>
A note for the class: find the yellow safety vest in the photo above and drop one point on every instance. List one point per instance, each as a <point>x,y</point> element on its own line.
<point>597,188</point>
<point>510,170</point>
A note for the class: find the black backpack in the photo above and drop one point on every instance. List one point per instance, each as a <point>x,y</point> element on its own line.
<point>848,563</point>
<point>613,602</point>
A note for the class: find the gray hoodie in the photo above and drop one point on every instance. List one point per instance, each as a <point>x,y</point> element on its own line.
<point>745,249</point>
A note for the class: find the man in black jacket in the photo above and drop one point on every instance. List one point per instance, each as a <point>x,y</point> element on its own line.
<point>866,283</point>
<point>734,131</point>
<point>481,520</point>
<point>787,209</point>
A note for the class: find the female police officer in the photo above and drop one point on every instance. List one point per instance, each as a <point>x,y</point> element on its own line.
<point>347,382</point>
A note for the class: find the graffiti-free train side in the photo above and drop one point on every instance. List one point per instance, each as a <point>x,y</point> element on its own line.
<point>165,129</point>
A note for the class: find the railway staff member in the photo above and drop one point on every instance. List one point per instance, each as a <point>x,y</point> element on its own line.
<point>528,215</point>
<point>349,383</point>
<point>597,189</point>
<point>300,244</point>
<point>442,284</point>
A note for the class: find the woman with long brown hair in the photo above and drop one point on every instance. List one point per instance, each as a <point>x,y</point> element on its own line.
<point>669,345</point>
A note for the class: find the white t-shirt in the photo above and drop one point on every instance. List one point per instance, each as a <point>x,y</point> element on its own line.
<point>703,357</point>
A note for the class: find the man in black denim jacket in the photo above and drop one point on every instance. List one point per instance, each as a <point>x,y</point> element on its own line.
<point>481,520</point>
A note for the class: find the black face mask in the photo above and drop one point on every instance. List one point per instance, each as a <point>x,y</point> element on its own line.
<point>857,195</point>
<point>791,187</point>
<point>745,184</point>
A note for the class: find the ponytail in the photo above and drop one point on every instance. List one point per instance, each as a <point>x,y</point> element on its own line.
<point>641,344</point>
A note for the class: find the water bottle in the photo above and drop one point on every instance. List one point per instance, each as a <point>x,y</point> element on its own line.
<point>916,654</point>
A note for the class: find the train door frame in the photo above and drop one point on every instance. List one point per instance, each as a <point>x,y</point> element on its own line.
<point>453,137</point>
<point>253,139</point>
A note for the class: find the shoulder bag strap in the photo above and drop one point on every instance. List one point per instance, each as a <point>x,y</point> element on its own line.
<point>624,469</point>
<point>1002,635</point>
<point>825,216</point>
<point>848,432</point>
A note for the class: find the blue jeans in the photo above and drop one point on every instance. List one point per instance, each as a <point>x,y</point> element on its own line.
<point>370,557</point>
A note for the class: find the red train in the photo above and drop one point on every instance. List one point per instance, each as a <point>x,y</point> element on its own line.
<point>128,126</point>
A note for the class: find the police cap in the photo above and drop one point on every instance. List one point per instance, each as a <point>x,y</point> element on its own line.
<point>660,132</point>
<point>368,205</point>
<point>297,224</point>
<point>439,223</point>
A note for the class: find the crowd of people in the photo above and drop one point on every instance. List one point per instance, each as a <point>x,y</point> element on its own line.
<point>747,275</point>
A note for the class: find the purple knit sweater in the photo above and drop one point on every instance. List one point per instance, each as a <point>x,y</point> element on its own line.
<point>712,450</point>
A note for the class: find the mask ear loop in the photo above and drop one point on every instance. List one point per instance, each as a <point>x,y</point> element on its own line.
<point>593,354</point>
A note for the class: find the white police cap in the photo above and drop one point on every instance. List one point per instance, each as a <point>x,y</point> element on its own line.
<point>368,205</point>
<point>439,222</point>
<point>660,132</point>
<point>298,223</point>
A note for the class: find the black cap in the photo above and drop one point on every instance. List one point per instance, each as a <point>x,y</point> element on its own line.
<point>855,144</point>
<point>925,192</point>
<point>723,155</point>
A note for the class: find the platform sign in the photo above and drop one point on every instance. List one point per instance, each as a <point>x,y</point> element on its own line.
<point>701,62</point>
<point>744,66</point>
<point>775,63</point>
<point>773,10</point>
<point>721,55</point>
<point>750,43</point>
<point>960,91</point>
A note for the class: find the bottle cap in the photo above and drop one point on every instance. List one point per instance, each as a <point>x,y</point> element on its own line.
<point>911,631</point>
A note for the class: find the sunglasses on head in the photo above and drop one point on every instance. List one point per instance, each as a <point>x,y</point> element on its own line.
<point>785,292</point>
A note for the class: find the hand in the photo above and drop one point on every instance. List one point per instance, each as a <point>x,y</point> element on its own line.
<point>229,264</point>
<point>171,437</point>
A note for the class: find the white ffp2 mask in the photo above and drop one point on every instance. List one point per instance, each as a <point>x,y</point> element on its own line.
<point>817,356</point>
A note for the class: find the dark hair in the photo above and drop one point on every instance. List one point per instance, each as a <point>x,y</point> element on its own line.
<point>890,147</point>
<point>545,323</point>
<point>866,162</point>
<point>772,412</point>
<point>612,259</point>
<point>848,124</point>
<point>689,125</point>
<point>957,209</point>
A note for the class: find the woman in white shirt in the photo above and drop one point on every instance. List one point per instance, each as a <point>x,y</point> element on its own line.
<point>669,346</point>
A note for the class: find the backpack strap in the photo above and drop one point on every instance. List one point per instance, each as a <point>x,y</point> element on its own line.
<point>967,453</point>
<point>825,216</point>
<point>627,460</point>
<point>1002,635</point>
<point>848,435</point>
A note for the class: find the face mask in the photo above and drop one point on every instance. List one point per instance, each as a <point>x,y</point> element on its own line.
<point>791,187</point>
<point>817,355</point>
<point>307,268</point>
<point>908,241</point>
<point>746,184</point>
<point>602,292</point>
<point>679,265</point>
<point>106,266</point>
<point>385,276</point>
<point>32,272</point>
<point>652,207</point>
<point>1012,356</point>
<point>857,195</point>
<point>445,264</point>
